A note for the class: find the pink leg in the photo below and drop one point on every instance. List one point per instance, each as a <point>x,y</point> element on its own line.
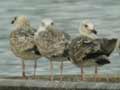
<point>23,70</point>
<point>61,71</point>
<point>35,66</point>
<point>96,72</point>
<point>51,71</point>
<point>82,73</point>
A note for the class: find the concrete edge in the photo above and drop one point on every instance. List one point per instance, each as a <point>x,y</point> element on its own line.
<point>58,84</point>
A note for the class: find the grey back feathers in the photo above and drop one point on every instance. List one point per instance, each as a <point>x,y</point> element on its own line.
<point>107,45</point>
<point>83,49</point>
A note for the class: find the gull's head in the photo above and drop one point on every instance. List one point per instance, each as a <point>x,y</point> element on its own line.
<point>87,29</point>
<point>20,21</point>
<point>47,24</point>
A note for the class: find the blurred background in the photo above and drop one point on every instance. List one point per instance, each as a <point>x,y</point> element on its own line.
<point>67,14</point>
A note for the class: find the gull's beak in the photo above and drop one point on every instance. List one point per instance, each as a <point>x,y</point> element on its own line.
<point>12,22</point>
<point>94,31</point>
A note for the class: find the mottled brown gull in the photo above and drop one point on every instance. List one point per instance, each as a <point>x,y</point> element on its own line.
<point>21,40</point>
<point>52,44</point>
<point>89,50</point>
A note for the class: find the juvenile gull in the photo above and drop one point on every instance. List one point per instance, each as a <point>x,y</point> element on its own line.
<point>52,44</point>
<point>88,50</point>
<point>21,40</point>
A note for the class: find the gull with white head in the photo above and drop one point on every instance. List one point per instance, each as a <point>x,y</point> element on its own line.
<point>87,29</point>
<point>22,40</point>
<point>89,50</point>
<point>52,44</point>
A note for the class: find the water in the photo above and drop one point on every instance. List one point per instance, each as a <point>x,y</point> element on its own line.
<point>67,14</point>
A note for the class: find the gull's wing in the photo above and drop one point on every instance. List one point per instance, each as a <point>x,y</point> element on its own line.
<point>107,45</point>
<point>22,40</point>
<point>51,43</point>
<point>83,49</point>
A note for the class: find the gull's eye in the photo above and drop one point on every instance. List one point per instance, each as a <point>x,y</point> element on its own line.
<point>52,23</point>
<point>86,25</point>
<point>15,18</point>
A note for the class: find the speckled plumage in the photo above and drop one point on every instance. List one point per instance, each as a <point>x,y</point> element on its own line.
<point>89,52</point>
<point>21,40</point>
<point>52,43</point>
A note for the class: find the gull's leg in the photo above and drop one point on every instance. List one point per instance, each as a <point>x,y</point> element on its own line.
<point>51,71</point>
<point>82,72</point>
<point>35,67</point>
<point>61,71</point>
<point>96,72</point>
<point>23,70</point>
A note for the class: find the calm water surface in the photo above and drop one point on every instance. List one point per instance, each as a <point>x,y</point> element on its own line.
<point>67,14</point>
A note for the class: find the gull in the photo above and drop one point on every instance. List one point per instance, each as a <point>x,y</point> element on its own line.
<point>21,40</point>
<point>89,50</point>
<point>52,44</point>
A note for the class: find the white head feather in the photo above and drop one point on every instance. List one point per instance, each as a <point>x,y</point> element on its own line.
<point>87,29</point>
<point>46,24</point>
